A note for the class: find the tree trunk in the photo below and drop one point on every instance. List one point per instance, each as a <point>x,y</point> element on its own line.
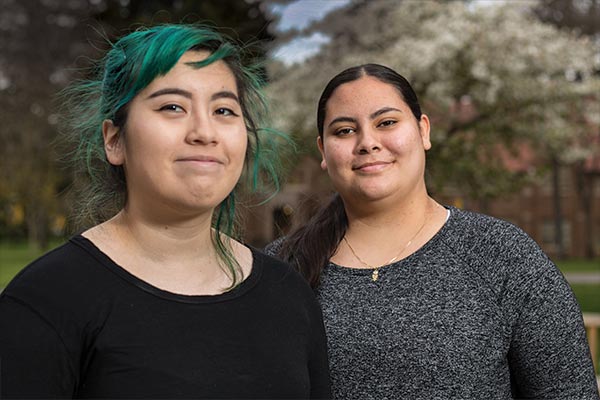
<point>585,188</point>
<point>558,225</point>
<point>37,228</point>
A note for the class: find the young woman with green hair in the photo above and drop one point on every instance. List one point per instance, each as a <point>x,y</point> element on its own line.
<point>157,299</point>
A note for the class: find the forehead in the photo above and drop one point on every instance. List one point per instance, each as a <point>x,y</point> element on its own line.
<point>364,95</point>
<point>216,74</point>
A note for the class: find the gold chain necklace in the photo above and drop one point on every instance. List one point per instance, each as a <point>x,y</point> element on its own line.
<point>375,274</point>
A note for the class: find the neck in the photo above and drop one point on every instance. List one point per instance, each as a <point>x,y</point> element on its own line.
<point>377,237</point>
<point>177,256</point>
<point>160,241</point>
<point>400,215</point>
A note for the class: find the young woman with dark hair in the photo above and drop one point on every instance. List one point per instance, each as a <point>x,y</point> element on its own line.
<point>420,300</point>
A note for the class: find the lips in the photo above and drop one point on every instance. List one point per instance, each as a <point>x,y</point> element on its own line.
<point>201,159</point>
<point>373,165</point>
<point>201,164</point>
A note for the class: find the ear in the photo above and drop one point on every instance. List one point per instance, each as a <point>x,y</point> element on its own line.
<point>113,143</point>
<point>320,146</point>
<point>424,130</point>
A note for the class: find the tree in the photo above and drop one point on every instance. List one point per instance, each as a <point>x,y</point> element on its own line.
<point>487,76</point>
<point>242,20</point>
<point>582,18</point>
<point>38,44</point>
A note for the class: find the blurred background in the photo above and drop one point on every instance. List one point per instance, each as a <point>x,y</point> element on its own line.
<point>512,89</point>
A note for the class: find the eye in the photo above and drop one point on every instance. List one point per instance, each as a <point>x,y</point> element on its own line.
<point>386,123</point>
<point>172,108</point>
<point>225,112</point>
<point>343,131</point>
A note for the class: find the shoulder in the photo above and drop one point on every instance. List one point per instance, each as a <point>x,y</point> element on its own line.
<point>275,269</point>
<point>479,233</point>
<point>62,280</point>
<point>282,276</point>
<point>274,247</point>
<point>73,259</point>
<point>477,223</point>
<point>498,251</point>
<point>50,269</point>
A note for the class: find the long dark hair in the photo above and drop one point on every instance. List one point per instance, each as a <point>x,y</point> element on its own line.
<point>310,246</point>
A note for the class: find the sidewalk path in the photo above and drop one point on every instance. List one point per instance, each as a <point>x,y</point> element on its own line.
<point>590,278</point>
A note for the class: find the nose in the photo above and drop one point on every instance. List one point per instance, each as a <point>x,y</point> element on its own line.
<point>200,130</point>
<point>367,141</point>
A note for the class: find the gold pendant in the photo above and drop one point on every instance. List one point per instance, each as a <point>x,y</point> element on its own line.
<point>375,275</point>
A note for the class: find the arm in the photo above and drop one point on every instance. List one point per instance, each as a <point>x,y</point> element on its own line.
<point>549,356</point>
<point>320,383</point>
<point>34,362</point>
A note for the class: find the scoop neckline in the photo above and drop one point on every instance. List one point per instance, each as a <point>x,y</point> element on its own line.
<point>244,286</point>
<point>385,268</point>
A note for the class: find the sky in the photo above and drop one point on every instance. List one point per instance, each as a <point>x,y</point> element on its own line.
<point>298,15</point>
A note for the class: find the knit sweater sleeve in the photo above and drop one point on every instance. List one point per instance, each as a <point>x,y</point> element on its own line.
<point>274,247</point>
<point>549,356</point>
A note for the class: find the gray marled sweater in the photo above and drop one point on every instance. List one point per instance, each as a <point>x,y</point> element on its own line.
<point>478,312</point>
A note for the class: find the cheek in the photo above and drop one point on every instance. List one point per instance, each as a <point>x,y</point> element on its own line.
<point>403,143</point>
<point>237,144</point>
<point>336,153</point>
<point>148,148</point>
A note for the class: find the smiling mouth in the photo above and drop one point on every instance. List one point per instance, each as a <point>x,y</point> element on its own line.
<point>201,164</point>
<point>376,165</point>
<point>201,160</point>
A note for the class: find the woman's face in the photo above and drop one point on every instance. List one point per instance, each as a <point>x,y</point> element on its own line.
<point>373,147</point>
<point>184,141</point>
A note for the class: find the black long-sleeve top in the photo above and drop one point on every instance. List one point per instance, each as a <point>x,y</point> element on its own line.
<point>74,324</point>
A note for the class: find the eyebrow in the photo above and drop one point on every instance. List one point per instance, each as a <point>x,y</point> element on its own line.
<point>224,94</point>
<point>372,116</point>
<point>383,111</point>
<point>165,91</point>
<point>341,119</point>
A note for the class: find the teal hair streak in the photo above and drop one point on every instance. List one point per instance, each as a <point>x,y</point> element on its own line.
<point>131,64</point>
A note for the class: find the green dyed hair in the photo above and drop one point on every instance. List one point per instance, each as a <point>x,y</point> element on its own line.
<point>131,64</point>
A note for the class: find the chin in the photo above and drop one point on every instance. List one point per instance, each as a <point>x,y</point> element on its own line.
<point>374,192</point>
<point>199,203</point>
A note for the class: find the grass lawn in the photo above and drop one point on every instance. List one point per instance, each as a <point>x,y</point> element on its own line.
<point>579,265</point>
<point>588,297</point>
<point>15,256</point>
